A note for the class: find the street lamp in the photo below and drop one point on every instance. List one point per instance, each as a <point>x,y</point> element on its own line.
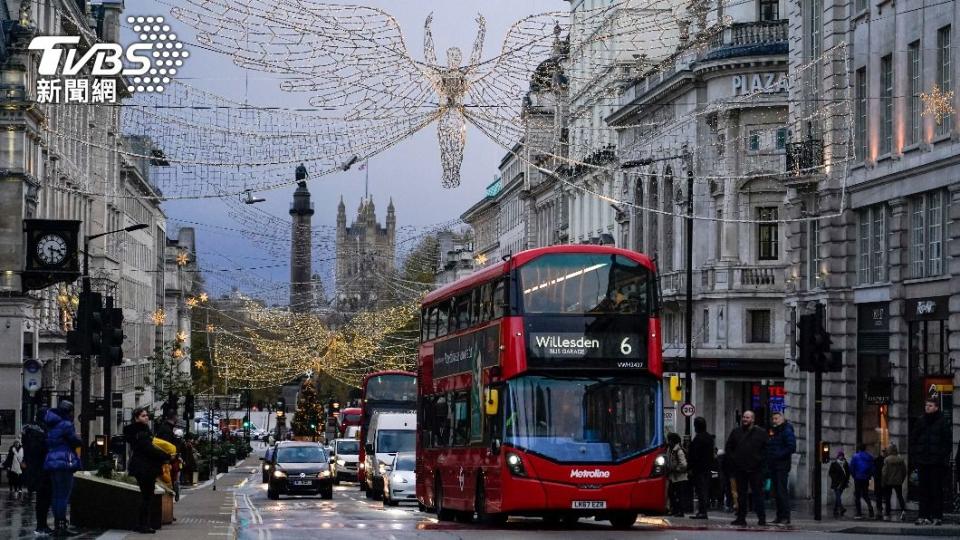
<point>85,406</point>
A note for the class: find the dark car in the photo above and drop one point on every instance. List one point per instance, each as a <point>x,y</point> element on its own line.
<point>299,468</point>
<point>266,465</point>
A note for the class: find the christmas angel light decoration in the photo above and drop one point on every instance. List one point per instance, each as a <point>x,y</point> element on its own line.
<point>353,60</point>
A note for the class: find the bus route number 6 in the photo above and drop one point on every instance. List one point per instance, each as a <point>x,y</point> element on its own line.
<point>625,347</point>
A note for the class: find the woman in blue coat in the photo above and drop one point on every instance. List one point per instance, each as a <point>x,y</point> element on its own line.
<point>61,461</point>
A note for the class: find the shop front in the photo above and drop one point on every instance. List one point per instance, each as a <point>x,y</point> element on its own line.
<point>874,379</point>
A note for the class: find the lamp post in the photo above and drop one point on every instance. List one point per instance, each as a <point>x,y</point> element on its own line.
<point>85,316</point>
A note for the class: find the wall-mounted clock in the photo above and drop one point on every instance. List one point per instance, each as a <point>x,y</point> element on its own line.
<point>52,249</point>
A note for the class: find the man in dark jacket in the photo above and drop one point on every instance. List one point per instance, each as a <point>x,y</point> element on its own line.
<point>781,446</point>
<point>37,479</point>
<point>930,445</point>
<point>701,464</point>
<point>746,447</point>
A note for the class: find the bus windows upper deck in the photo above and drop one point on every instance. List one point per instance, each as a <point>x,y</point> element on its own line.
<point>573,283</point>
<point>392,388</point>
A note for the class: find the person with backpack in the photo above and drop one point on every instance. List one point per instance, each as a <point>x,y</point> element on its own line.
<point>676,474</point>
<point>36,478</point>
<point>892,477</point>
<point>861,468</point>
<point>839,481</point>
<point>702,464</point>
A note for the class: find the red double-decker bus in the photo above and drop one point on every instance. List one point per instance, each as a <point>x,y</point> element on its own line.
<point>540,394</point>
<point>349,416</point>
<point>383,391</point>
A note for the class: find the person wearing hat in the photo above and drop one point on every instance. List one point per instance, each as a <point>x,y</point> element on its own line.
<point>61,462</point>
<point>839,480</point>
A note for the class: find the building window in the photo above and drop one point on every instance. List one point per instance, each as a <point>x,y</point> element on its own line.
<point>813,254</point>
<point>769,10</point>
<point>861,5</point>
<point>944,79</point>
<point>926,234</point>
<point>706,326</point>
<point>754,140</point>
<point>768,234</point>
<point>886,104</point>
<point>759,325</point>
<point>781,138</point>
<point>872,245</point>
<point>914,73</point>
<point>860,143</point>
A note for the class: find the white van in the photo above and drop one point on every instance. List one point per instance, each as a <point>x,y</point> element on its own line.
<point>389,433</point>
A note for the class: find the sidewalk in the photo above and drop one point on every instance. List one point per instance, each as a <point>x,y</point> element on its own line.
<point>202,512</point>
<point>800,520</point>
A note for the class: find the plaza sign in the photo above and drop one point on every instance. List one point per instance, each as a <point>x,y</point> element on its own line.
<point>759,83</point>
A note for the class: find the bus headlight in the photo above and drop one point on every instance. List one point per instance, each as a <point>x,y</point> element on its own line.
<point>515,464</point>
<point>659,466</point>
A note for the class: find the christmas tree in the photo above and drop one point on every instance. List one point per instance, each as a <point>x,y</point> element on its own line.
<point>308,418</point>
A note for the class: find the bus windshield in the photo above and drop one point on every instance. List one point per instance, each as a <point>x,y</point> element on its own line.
<point>581,419</point>
<point>390,441</point>
<point>391,388</point>
<point>581,283</point>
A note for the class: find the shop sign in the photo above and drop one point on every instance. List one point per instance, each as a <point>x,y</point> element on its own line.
<point>759,83</point>
<point>927,309</point>
<point>873,316</point>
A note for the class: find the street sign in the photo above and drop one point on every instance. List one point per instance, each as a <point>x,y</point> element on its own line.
<point>688,410</point>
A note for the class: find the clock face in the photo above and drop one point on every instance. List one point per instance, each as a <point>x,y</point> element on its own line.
<point>52,249</point>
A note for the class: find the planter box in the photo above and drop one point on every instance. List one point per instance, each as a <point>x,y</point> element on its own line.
<point>99,503</point>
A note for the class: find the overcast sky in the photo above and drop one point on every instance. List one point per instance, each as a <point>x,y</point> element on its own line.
<point>409,172</point>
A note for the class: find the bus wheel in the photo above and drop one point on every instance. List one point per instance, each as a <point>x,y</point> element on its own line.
<point>443,514</point>
<point>623,520</point>
<point>480,506</point>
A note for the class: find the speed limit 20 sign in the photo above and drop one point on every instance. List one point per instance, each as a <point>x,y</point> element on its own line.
<point>687,409</point>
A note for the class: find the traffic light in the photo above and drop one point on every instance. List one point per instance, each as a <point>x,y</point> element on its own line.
<point>246,422</point>
<point>281,404</point>
<point>806,326</point>
<point>188,407</point>
<point>814,344</point>
<point>111,348</point>
<point>86,338</point>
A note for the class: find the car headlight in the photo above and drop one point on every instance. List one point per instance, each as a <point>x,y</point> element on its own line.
<point>279,474</point>
<point>266,467</point>
<point>360,466</point>
<point>341,463</point>
<point>515,464</point>
<point>323,474</point>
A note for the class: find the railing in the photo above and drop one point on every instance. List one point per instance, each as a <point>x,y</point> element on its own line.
<point>756,276</point>
<point>804,157</point>
<point>735,278</point>
<point>752,33</point>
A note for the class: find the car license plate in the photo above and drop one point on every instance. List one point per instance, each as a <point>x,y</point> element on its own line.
<point>302,482</point>
<point>588,505</point>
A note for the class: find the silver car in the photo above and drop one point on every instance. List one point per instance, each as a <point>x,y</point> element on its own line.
<point>400,481</point>
<point>343,463</point>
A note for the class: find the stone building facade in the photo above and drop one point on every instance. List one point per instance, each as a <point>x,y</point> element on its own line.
<point>706,125</point>
<point>366,253</point>
<point>883,257</point>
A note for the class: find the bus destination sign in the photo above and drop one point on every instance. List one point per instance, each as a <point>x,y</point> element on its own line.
<point>622,350</point>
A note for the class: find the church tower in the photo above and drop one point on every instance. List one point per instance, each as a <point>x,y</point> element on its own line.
<point>365,258</point>
<point>301,212</point>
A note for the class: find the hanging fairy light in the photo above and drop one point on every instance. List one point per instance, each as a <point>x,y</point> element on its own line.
<point>159,317</point>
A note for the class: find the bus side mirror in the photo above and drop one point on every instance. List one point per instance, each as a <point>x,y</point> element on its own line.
<point>491,401</point>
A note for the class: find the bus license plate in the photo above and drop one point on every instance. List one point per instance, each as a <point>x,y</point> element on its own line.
<point>302,482</point>
<point>588,505</point>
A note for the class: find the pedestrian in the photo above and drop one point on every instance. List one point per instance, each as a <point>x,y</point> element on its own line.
<point>61,462</point>
<point>146,462</point>
<point>891,479</point>
<point>839,481</point>
<point>35,477</point>
<point>729,482</point>
<point>746,448</point>
<point>780,449</point>
<point>930,445</point>
<point>676,473</point>
<point>167,430</point>
<point>14,465</point>
<point>702,465</point>
<point>861,468</point>
<point>878,482</point>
